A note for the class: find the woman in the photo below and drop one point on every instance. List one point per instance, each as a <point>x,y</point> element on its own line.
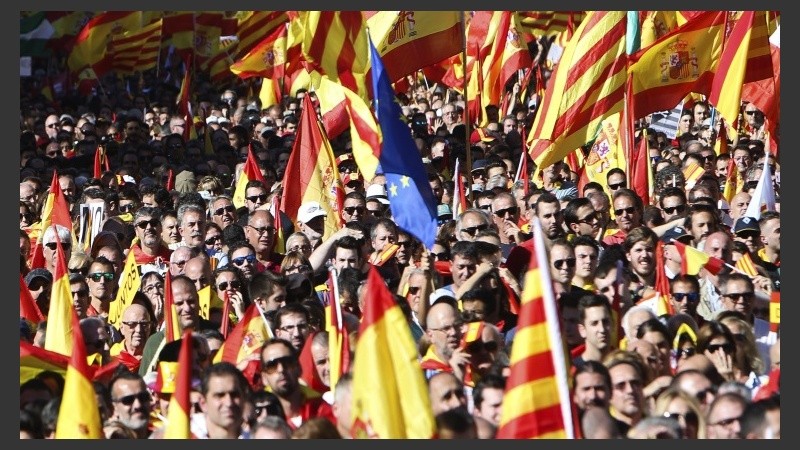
<point>656,333</point>
<point>26,216</point>
<point>153,288</point>
<point>228,283</point>
<point>677,404</point>
<point>750,370</point>
<point>716,341</point>
<point>213,245</point>
<point>296,262</point>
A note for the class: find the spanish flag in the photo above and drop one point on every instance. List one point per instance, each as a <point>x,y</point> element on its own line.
<point>692,172</point>
<point>537,401</point>
<point>177,426</point>
<point>338,338</point>
<point>79,415</point>
<point>172,326</point>
<point>55,211</point>
<point>246,338</point>
<point>390,396</point>
<point>28,309</point>
<point>692,260</point>
<point>91,45</point>
<point>34,360</point>
<point>60,326</point>
<point>267,59</point>
<point>250,171</point>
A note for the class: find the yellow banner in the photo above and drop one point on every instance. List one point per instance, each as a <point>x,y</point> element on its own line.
<point>208,299</point>
<point>129,284</point>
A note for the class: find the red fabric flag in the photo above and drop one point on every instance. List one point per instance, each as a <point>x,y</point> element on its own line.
<point>55,211</point>
<point>309,374</point>
<point>226,310</point>
<point>28,309</point>
<point>246,338</point>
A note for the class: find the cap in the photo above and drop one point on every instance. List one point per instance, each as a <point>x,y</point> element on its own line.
<point>128,179</point>
<point>443,211</point>
<point>222,120</point>
<point>378,192</point>
<point>706,123</point>
<point>298,286</point>
<point>746,224</point>
<point>66,118</point>
<point>481,135</point>
<point>479,164</point>
<point>310,210</point>
<point>675,234</point>
<point>211,119</point>
<point>38,273</point>
<point>106,237</point>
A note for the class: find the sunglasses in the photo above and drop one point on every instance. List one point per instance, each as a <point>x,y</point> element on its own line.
<point>441,256</point>
<point>472,230</point>
<point>300,248</point>
<point>750,113</point>
<point>257,198</point>
<point>287,362</point>
<point>413,290</point>
<point>690,417</point>
<point>233,285</point>
<point>213,239</point>
<point>272,409</point>
<point>241,260</point>
<point>353,209</point>
<point>142,225</point>
<point>510,211</point>
<point>376,212</point>
<point>97,276</point>
<point>686,352</point>
<point>629,211</point>
<point>672,209</point>
<point>562,263</point>
<point>726,347</point>
<point>128,400</point>
<point>404,244</point>
<point>301,267</point>
<point>27,216</point>
<point>479,174</point>
<point>740,297</point>
<point>591,218</point>
<point>52,246</point>
<point>224,209</point>
<point>143,324</point>
<point>616,186</point>
<point>478,346</point>
<point>127,208</point>
<point>691,297</point>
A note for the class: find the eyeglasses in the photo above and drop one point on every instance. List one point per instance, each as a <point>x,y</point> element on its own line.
<point>224,209</point>
<point>725,422</point>
<point>52,125</point>
<point>478,174</point>
<point>702,395</point>
<point>287,362</point>
<point>404,244</point>
<point>486,207</point>
<point>242,259</point>
<point>510,211</point>
<point>272,409</point>
<point>82,292</point>
<point>127,208</point>
<point>707,158</point>
<point>257,198</point>
<point>591,218</point>
<point>616,186</point>
<point>672,209</point>
<point>690,417</point>
<point>741,297</point>
<point>376,212</point>
<point>212,239</point>
<point>726,347</point>
<point>456,327</point>
<point>223,286</point>
<point>97,276</point>
<point>300,248</point>
<point>691,297</point>
<point>289,328</point>
<point>300,267</point>
<point>143,324</point>
<point>472,230</point>
<point>441,256</point>
<point>353,209</point>
<point>128,400</point>
<point>154,288</point>
<point>201,280</point>
<point>52,245</point>
<point>262,230</point>
<point>750,113</point>
<point>142,224</point>
<point>478,346</point>
<point>413,290</point>
<point>629,211</point>
<point>27,216</point>
<point>562,263</point>
<point>686,352</point>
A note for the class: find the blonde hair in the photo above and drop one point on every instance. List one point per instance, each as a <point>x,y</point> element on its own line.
<point>663,401</point>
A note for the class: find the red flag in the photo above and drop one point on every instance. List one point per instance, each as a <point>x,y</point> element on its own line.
<point>226,310</point>
<point>692,260</point>
<point>309,374</point>
<point>170,180</point>
<point>640,169</point>
<point>55,211</point>
<point>100,161</point>
<point>28,309</point>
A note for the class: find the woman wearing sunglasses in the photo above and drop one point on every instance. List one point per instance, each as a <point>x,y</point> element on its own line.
<point>677,404</point>
<point>717,343</point>
<point>229,284</point>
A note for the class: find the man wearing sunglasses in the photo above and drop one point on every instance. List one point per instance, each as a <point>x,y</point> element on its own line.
<point>131,402</point>
<point>280,372</point>
<point>685,296</point>
<point>50,247</point>
<point>148,246</point>
<point>102,283</point>
<point>223,213</point>
<point>628,210</point>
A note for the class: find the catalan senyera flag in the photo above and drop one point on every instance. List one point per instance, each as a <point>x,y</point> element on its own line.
<point>34,360</point>
<point>537,401</point>
<point>177,426</point>
<point>250,171</point>
<point>338,337</point>
<point>172,329</point>
<point>548,23</point>
<point>335,43</point>
<point>764,195</point>
<point>692,260</point>
<point>55,211</point>
<point>410,40</point>
<point>79,415</point>
<point>588,85</point>
<point>58,337</point>
<point>28,309</point>
<point>746,265</point>
<point>683,60</point>
<point>246,338</point>
<point>136,50</point>
<point>91,44</point>
<point>389,393</point>
<point>692,172</point>
<point>507,54</point>
<point>311,173</point>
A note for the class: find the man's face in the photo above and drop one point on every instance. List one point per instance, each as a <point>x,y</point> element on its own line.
<point>280,370</point>
<point>50,249</point>
<point>562,264</point>
<point>570,318</point>
<point>596,327</point>
<point>626,394</point>
<point>274,301</point>
<point>150,235</point>
<point>449,115</point>
<point>260,232</point>
<point>462,268</point>
<point>193,229</point>
<point>255,197</point>
<point>294,328</point>
<point>383,237</point>
<point>702,226</point>
<point>223,404</point>
<point>67,185</point>
<point>446,393</point>
<point>223,213</point>
<point>700,114</point>
<point>551,218</point>
<point>471,223</point>
<point>436,187</point>
<point>742,159</point>
<point>100,279</point>
<point>738,296</point>
<point>314,229</point>
<point>491,406</point>
<point>628,215</point>
<point>196,269</point>
<point>672,208</point>
<point>642,258</point>
<point>616,181</point>
<point>588,222</point>
<point>739,205</point>
<point>685,298</point>
<point>132,403</point>
<point>187,303</point>
<point>719,246</point>
<point>504,210</point>
<point>239,259</point>
<point>51,126</point>
<point>403,254</point>
<point>444,330</point>
<point>771,235</point>
<point>345,258</point>
<point>80,298</point>
<point>723,420</point>
<point>586,261</point>
<point>591,390</point>
<point>27,193</point>
<point>178,260</point>
<point>135,327</point>
<point>354,210</point>
<point>319,353</point>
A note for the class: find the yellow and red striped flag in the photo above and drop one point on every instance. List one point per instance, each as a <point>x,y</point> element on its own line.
<point>731,182</point>
<point>136,50</point>
<point>184,102</point>
<point>548,23</point>
<point>683,60</point>
<point>177,426</point>
<point>172,328</point>
<point>55,211</point>
<point>250,171</point>
<point>692,260</point>
<point>655,24</point>
<point>774,311</point>
<point>34,360</point>
<point>410,40</point>
<point>588,85</point>
<point>28,309</point>
<point>58,337</point>
<point>746,265</point>
<point>246,338</point>
<point>390,396</point>
<point>251,29</point>
<point>91,45</point>
<point>79,415</point>
<point>280,239</point>
<point>178,33</point>
<point>692,172</point>
<point>537,401</point>
<point>507,53</point>
<point>338,337</point>
<point>311,173</point>
<point>335,43</point>
<point>332,107</point>
<point>661,305</point>
<point>66,26</point>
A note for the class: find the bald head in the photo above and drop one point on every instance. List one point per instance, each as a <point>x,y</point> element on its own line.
<point>719,245</point>
<point>199,270</point>
<point>446,392</point>
<point>440,313</point>
<point>698,362</point>
<point>177,261</point>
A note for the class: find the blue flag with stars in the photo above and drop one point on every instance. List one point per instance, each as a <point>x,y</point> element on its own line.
<point>411,198</point>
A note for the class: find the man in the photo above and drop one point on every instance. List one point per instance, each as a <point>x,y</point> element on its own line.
<point>738,294</point>
<point>192,226</point>
<point>505,215</point>
<point>450,116</point>
<point>562,266</point>
<point>178,259</point>
<point>594,316</point>
<point>628,209</point>
<point>685,296</point>
<point>627,395</point>
<point>131,402</point>
<point>268,290</point>
<point>761,419</point>
<point>80,294</point>
<point>311,222</point>
<point>548,210</point>
<point>135,328</point>
<point>463,264</point>
<point>701,222</point>
<point>40,285</point>
<point>97,339</point>
<point>470,222</point>
<point>738,205</point>
<point>224,393</point>
<point>102,287</point>
<point>592,386</point>
<point>405,250</point>
<point>223,213</point>
<point>446,392</point>
<point>444,332</point>
<point>722,421</point>
<point>27,194</point>
<point>169,230</point>
<point>198,270</point>
<point>672,257</point>
<point>553,182</point>
<point>261,232</point>
<point>743,160</point>
<point>695,382</point>
<point>292,325</point>
<point>487,398</point>
<point>616,179</point>
<point>700,112</point>
<point>581,218</point>
<point>50,247</point>
<point>354,208</point>
<point>770,254</point>
<point>633,319</point>
<point>51,126</point>
<point>187,306</point>
<point>586,262</point>
<point>342,405</point>
<point>672,201</point>
<point>280,372</point>
<point>149,248</point>
<point>255,195</point>
<point>346,253</point>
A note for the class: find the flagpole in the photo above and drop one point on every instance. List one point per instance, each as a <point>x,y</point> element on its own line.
<point>466,106</point>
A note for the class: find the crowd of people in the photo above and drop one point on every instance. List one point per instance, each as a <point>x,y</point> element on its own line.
<point>706,368</point>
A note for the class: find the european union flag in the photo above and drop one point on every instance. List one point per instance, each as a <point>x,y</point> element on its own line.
<point>410,195</point>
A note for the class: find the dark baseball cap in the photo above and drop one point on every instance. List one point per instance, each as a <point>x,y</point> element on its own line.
<point>746,224</point>
<point>38,273</point>
<point>676,233</point>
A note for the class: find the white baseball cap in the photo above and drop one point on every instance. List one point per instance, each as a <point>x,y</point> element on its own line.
<point>310,210</point>
<point>378,192</point>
